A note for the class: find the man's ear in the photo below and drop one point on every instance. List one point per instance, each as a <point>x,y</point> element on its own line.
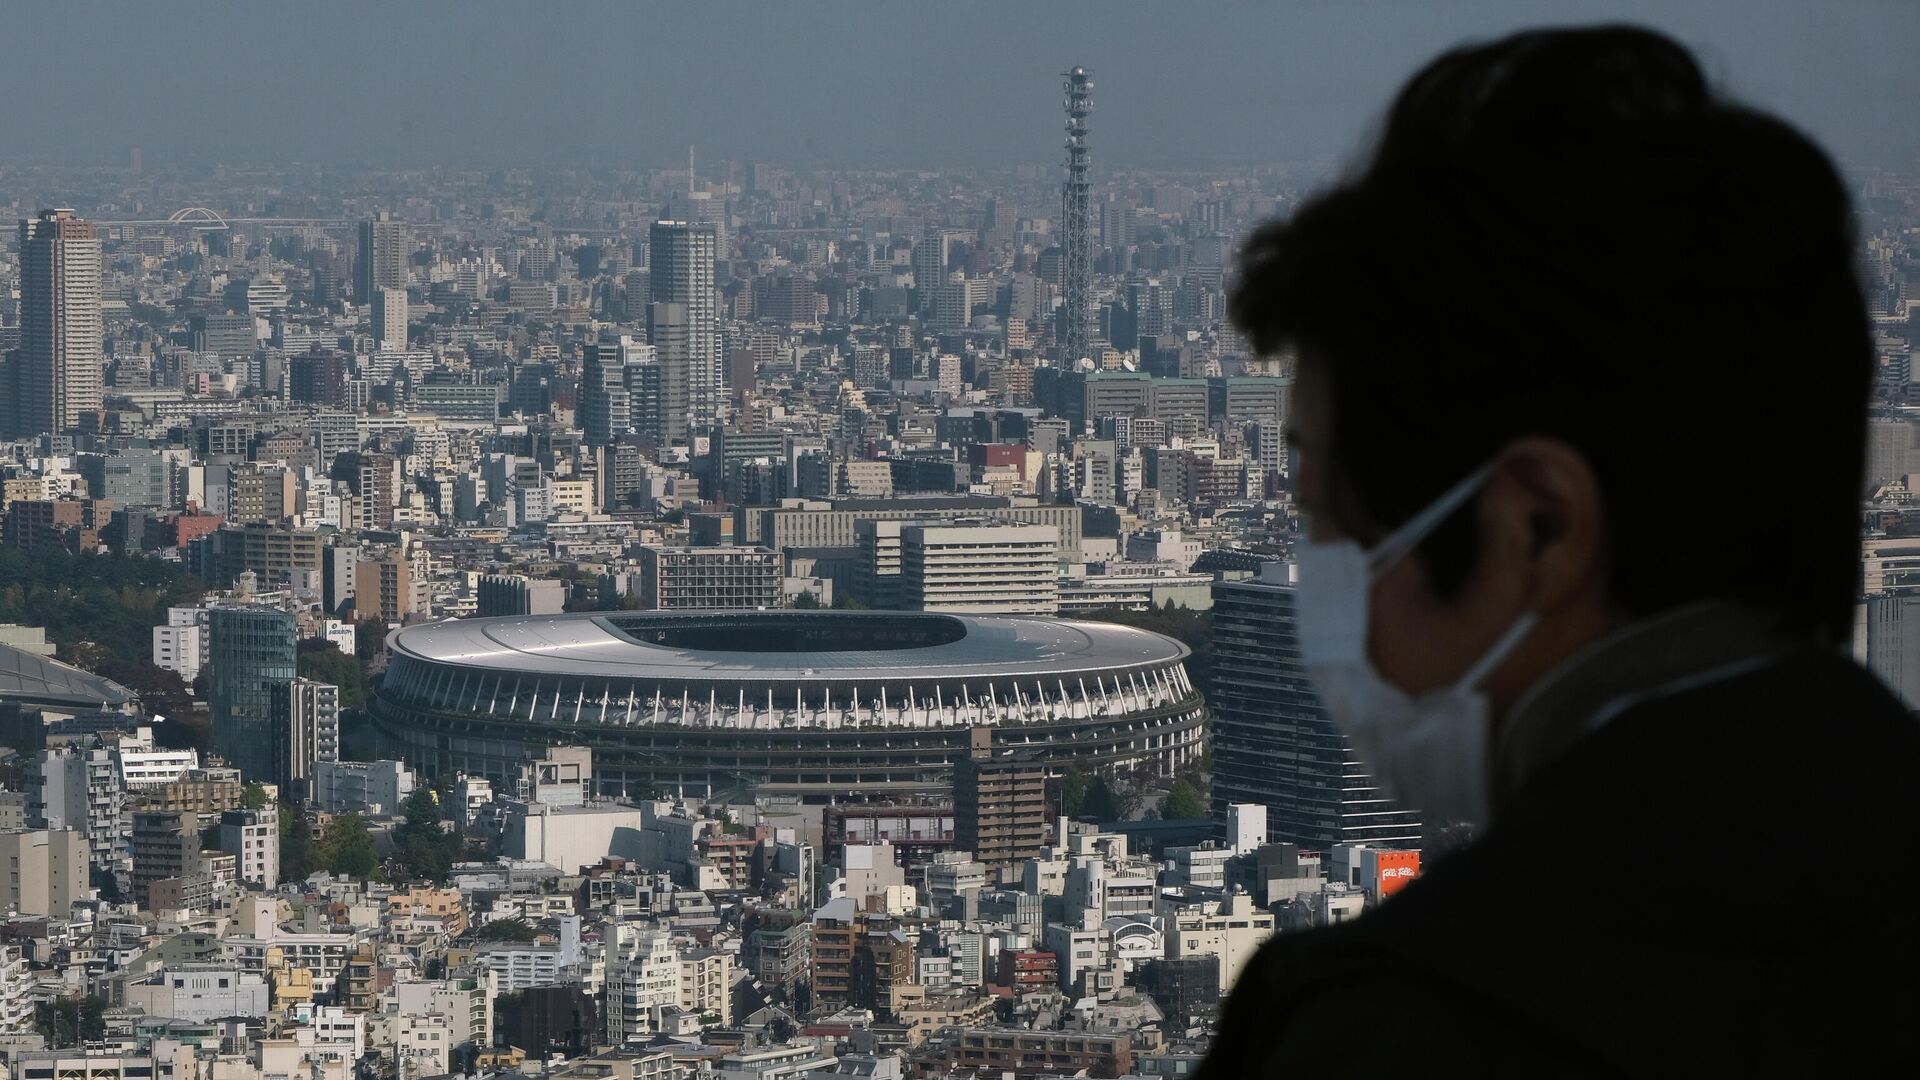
<point>1547,515</point>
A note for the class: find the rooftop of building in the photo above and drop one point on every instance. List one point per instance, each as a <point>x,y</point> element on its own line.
<point>786,645</point>
<point>31,679</point>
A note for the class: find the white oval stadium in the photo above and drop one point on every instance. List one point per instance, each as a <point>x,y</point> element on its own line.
<point>805,703</point>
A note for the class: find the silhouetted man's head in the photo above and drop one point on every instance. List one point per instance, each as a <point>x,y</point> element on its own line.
<point>1569,258</point>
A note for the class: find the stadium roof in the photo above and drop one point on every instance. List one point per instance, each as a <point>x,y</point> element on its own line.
<point>31,680</point>
<point>787,646</point>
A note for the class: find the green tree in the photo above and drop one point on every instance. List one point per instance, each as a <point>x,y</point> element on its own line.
<point>161,693</point>
<point>1073,792</point>
<point>1102,802</point>
<point>90,655</point>
<point>1182,803</point>
<point>506,930</point>
<point>369,637</point>
<point>296,843</point>
<point>71,1021</point>
<point>357,739</point>
<point>807,601</point>
<point>427,849</point>
<point>322,661</point>
<point>254,797</point>
<point>107,885</point>
<point>95,607</point>
<point>348,848</point>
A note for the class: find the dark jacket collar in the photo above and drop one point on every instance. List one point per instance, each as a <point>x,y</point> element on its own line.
<point>1647,658</point>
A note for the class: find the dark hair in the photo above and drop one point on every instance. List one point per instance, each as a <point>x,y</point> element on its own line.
<point>1566,233</point>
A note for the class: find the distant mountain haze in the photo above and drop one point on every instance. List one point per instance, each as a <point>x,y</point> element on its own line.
<point>846,82</point>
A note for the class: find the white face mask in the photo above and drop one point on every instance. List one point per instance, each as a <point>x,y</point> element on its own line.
<point>1431,751</point>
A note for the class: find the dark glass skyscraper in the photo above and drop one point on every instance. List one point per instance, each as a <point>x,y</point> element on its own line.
<point>58,364</point>
<point>381,261</point>
<point>253,658</point>
<point>1272,742</point>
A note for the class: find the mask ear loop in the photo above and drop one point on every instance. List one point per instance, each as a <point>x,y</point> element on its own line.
<point>1397,544</point>
<point>1403,540</point>
<point>1497,655</point>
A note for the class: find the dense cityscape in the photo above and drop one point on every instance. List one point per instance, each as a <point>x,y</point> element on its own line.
<point>726,620</point>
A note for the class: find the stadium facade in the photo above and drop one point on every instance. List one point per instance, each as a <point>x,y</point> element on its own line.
<point>818,705</point>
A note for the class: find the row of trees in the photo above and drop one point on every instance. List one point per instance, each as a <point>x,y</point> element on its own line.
<point>346,847</point>
<point>93,606</point>
<point>423,848</point>
<point>322,660</point>
<point>66,1021</point>
<point>1103,799</point>
<point>1095,796</point>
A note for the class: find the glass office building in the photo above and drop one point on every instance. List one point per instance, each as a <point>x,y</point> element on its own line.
<point>1272,742</point>
<point>252,653</point>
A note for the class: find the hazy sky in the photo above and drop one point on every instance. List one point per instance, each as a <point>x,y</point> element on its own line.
<point>842,82</point>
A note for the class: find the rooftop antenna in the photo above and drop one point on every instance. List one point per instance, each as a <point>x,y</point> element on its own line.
<point>1076,232</point>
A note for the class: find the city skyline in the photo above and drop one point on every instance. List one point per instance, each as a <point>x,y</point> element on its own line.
<point>821,546</point>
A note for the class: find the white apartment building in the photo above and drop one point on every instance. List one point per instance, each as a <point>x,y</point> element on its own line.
<point>933,972</point>
<point>472,794</point>
<point>82,790</point>
<point>102,1064</point>
<point>144,770</point>
<point>984,569</point>
<point>640,986</point>
<point>421,1043</point>
<point>1109,887</point>
<point>952,874</point>
<point>1232,933</point>
<point>521,967</point>
<point>1079,949</point>
<point>798,1060</point>
<point>334,1025</point>
<point>252,837</point>
<point>323,954</point>
<point>200,992</point>
<point>16,998</point>
<point>361,786</point>
<point>390,319</point>
<point>467,1004</point>
<point>1203,867</point>
<point>181,645</point>
<point>267,294</point>
<point>967,957</point>
<point>706,982</point>
<point>307,717</point>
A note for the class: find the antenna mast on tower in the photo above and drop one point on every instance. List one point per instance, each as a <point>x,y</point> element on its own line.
<point>1077,238</point>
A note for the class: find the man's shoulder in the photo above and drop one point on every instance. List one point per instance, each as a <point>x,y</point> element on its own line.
<point>1789,684</point>
<point>1599,903</point>
<point>1800,751</point>
<point>1371,996</point>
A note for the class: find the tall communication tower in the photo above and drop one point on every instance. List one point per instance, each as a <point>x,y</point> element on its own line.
<point>1077,236</point>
